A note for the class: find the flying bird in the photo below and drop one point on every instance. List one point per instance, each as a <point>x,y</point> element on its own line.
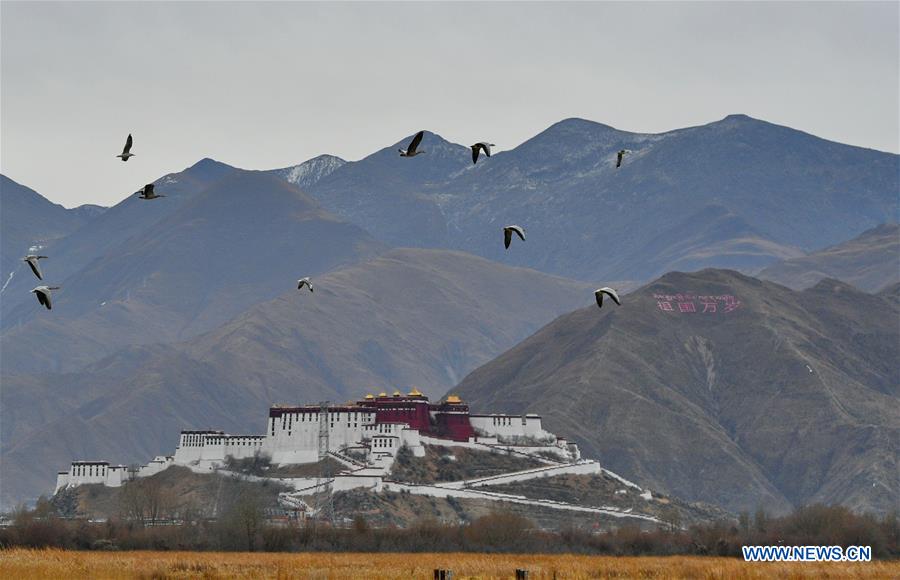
<point>508,232</point>
<point>126,152</point>
<point>478,147</point>
<point>32,261</point>
<point>43,295</point>
<point>304,282</point>
<point>147,192</point>
<point>809,368</point>
<point>411,149</point>
<point>599,292</point>
<point>620,155</point>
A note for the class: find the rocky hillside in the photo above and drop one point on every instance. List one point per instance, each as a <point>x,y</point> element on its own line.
<point>718,387</point>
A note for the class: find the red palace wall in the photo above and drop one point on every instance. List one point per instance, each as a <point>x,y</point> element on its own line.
<point>449,420</point>
<point>453,425</point>
<point>415,413</point>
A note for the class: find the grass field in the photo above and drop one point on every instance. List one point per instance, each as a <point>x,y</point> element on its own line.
<point>43,564</point>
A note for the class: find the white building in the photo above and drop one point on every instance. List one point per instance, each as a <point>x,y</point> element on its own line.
<point>512,428</point>
<point>365,436</point>
<point>87,472</point>
<point>159,463</point>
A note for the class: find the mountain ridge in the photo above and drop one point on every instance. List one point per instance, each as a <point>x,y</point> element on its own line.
<point>218,250</point>
<point>798,192</point>
<point>870,261</point>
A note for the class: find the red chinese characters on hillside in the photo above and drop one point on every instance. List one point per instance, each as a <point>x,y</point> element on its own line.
<point>696,304</point>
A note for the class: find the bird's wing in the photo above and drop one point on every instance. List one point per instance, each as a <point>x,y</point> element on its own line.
<point>519,231</point>
<point>612,294</point>
<point>507,236</point>
<point>415,142</point>
<point>487,148</point>
<point>128,143</point>
<point>474,154</point>
<point>35,268</point>
<point>599,296</point>
<point>43,299</point>
<point>148,189</point>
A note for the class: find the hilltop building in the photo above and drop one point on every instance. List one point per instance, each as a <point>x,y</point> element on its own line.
<point>365,436</point>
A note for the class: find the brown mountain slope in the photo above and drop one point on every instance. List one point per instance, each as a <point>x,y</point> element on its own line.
<point>720,406</point>
<point>411,317</point>
<point>870,262</point>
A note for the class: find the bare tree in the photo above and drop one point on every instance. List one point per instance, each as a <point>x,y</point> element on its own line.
<point>243,519</point>
<point>145,500</point>
<point>132,502</point>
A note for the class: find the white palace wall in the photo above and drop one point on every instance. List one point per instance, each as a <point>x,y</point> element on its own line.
<point>510,427</point>
<point>294,436</point>
<point>88,472</point>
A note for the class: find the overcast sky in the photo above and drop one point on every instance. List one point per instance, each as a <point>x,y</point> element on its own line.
<point>271,85</point>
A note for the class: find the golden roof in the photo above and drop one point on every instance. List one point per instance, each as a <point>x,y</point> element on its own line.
<point>370,396</point>
<point>415,392</point>
<point>382,394</point>
<point>397,393</point>
<point>453,399</point>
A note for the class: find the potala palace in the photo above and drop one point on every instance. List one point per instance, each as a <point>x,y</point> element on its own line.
<point>364,437</point>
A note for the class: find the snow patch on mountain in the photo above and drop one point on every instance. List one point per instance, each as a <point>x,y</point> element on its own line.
<point>310,172</point>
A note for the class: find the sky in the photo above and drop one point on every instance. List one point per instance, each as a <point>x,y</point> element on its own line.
<point>265,85</point>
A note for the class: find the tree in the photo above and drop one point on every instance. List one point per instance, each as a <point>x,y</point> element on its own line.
<point>760,521</point>
<point>499,531</point>
<point>671,517</point>
<point>744,524</point>
<point>145,500</point>
<point>243,519</point>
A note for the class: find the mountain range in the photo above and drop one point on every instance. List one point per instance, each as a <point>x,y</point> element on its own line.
<point>198,259</point>
<point>183,311</point>
<point>871,262</point>
<point>29,222</point>
<point>737,193</point>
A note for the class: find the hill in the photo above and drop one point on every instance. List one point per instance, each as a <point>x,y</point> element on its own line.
<point>410,317</point>
<point>738,193</point>
<point>114,228</point>
<point>199,258</point>
<point>721,388</point>
<point>178,491</point>
<point>871,262</point>
<point>395,198</point>
<point>29,223</point>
